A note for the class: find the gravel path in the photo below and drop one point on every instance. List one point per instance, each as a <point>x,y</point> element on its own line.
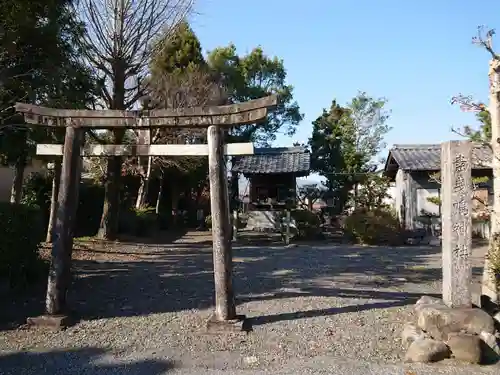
<point>321,304</point>
<point>89,362</point>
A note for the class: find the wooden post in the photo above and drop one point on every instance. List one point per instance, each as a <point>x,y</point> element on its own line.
<point>225,308</point>
<point>67,202</point>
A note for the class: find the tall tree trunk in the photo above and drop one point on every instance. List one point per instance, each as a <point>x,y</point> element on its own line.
<point>109,220</point>
<point>159,196</point>
<point>17,181</point>
<point>356,194</point>
<point>111,208</point>
<point>490,287</point>
<point>139,203</point>
<point>53,199</point>
<point>175,205</point>
<point>142,193</point>
<point>234,193</point>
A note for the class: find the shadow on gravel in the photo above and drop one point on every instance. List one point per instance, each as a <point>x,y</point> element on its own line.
<point>266,319</point>
<point>80,361</point>
<point>155,239</point>
<point>393,299</point>
<point>181,279</point>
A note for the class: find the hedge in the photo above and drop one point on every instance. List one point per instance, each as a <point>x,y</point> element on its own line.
<point>37,192</point>
<point>374,227</point>
<point>21,231</point>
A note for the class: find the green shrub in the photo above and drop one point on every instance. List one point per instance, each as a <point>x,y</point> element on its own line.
<point>20,234</point>
<point>138,222</point>
<point>307,223</point>
<point>127,222</point>
<point>208,221</point>
<point>146,220</point>
<point>373,227</point>
<point>37,192</point>
<point>89,212</point>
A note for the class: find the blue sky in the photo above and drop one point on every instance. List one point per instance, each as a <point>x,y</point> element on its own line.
<point>417,54</point>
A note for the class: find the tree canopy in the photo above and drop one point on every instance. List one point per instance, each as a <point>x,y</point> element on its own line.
<point>344,142</point>
<point>176,51</point>
<point>40,64</point>
<point>253,76</point>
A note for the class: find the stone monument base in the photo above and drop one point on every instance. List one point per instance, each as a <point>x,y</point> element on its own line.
<point>240,324</point>
<point>54,322</point>
<point>464,334</point>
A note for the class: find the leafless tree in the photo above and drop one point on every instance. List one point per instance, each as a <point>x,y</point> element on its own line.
<point>484,38</point>
<point>491,275</point>
<point>192,88</point>
<point>118,46</point>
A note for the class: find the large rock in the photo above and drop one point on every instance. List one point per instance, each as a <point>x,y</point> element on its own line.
<point>427,350</point>
<point>411,333</point>
<point>465,347</point>
<point>426,301</point>
<point>439,320</point>
<point>496,318</point>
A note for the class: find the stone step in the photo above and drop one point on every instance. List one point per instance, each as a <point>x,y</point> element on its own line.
<point>264,220</point>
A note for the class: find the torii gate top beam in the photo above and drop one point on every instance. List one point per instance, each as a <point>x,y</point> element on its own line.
<point>225,115</point>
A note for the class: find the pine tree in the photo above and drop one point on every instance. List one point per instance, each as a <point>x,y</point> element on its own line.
<point>177,53</point>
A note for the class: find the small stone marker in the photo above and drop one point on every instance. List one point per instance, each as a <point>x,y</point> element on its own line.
<point>456,210</point>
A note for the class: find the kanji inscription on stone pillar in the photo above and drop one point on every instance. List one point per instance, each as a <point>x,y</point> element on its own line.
<point>456,216</point>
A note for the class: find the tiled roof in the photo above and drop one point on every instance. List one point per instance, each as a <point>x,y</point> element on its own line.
<point>428,157</point>
<point>274,160</point>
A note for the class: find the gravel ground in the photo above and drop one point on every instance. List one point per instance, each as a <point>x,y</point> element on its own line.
<point>88,362</point>
<point>336,305</point>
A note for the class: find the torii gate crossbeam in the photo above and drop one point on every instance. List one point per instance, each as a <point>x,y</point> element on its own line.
<point>215,118</point>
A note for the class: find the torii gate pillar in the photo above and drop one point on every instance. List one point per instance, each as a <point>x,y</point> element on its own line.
<point>253,111</point>
<point>224,318</point>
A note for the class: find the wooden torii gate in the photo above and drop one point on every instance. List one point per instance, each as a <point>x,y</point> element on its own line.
<point>75,121</point>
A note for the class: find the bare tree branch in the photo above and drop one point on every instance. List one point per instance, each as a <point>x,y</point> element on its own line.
<point>467,104</point>
<point>192,88</point>
<point>119,41</point>
<point>484,39</point>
